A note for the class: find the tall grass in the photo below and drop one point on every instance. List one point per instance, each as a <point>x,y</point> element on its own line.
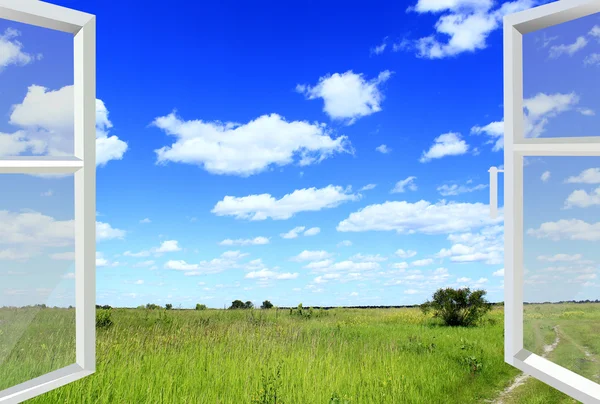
<point>269,356</point>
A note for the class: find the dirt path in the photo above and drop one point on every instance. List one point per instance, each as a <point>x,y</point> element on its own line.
<point>522,378</point>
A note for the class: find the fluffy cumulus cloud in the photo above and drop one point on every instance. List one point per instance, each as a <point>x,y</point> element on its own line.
<point>247,149</point>
<point>448,144</point>
<point>463,26</point>
<point>588,176</point>
<point>312,256</point>
<point>419,217</point>
<point>29,233</point>
<point>264,206</point>
<point>347,96</point>
<point>538,111</point>
<point>582,199</point>
<point>573,229</point>
<point>11,50</point>
<point>45,119</point>
<point>383,149</point>
<point>486,246</point>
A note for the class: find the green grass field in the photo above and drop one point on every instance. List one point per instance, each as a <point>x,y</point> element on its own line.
<point>253,356</point>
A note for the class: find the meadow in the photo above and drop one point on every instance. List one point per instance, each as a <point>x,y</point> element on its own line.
<point>270,356</point>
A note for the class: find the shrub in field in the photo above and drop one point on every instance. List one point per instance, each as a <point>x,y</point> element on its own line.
<point>303,312</point>
<point>270,384</point>
<point>168,306</point>
<point>248,305</point>
<point>266,305</point>
<point>200,306</point>
<point>458,307</point>
<point>152,306</point>
<point>103,318</point>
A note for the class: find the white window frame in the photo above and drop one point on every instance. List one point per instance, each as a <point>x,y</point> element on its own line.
<point>83,166</point>
<point>516,146</point>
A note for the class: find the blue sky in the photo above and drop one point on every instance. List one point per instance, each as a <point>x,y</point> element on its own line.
<point>322,154</point>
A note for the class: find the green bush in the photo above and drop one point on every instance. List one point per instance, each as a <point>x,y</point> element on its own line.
<point>103,318</point>
<point>266,305</point>
<point>169,306</point>
<point>458,307</point>
<point>200,306</point>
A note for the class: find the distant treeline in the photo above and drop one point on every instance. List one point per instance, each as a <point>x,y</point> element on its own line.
<point>202,307</point>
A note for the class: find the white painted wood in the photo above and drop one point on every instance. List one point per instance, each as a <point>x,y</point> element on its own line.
<point>516,147</point>
<point>83,165</point>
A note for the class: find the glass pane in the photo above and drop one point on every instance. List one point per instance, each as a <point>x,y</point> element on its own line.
<point>37,285</point>
<point>561,71</point>
<point>561,233</point>
<point>36,97</point>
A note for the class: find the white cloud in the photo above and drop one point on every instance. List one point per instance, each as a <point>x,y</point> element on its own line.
<point>264,206</point>
<point>103,262</point>
<point>311,256</point>
<point>545,176</point>
<point>592,59</point>
<point>379,49</point>
<point>422,217</point>
<point>293,233</point>
<point>486,246</point>
<point>448,144</point>
<point>47,126</point>
<point>383,149</point>
<point>455,189</point>
<point>47,193</point>
<point>104,231</point>
<point>408,183</point>
<point>139,282</point>
<point>560,257</point>
<point>265,274</point>
<point>573,229</point>
<point>368,187</point>
<point>557,50</point>
<point>313,231</point>
<point>347,96</point>
<point>495,131</point>
<point>589,176</point>
<point>227,260</point>
<point>405,254</point>
<point>247,149</point>
<point>344,243</point>
<point>11,50</point>
<point>582,199</point>
<point>246,242</point>
<point>499,272</point>
<point>422,263</point>
<point>368,258</point>
<point>319,264</point>
<point>146,220</point>
<point>539,109</point>
<point>166,246</point>
<point>464,26</point>
<point>347,266</point>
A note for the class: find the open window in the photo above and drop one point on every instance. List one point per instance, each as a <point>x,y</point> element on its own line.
<point>551,137</point>
<point>47,245</point>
